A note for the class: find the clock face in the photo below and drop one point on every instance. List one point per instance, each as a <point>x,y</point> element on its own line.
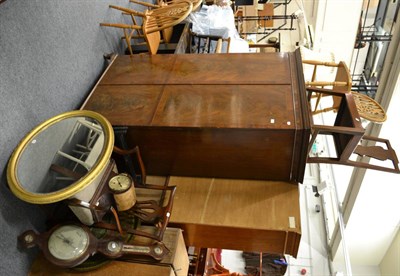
<point>68,242</point>
<point>120,183</point>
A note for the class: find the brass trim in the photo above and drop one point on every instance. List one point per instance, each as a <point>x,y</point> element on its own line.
<point>82,183</point>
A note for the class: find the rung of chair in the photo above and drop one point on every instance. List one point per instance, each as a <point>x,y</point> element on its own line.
<point>145,4</point>
<point>324,63</point>
<point>326,83</point>
<point>121,25</point>
<point>127,10</point>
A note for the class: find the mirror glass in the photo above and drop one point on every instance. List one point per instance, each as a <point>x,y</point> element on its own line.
<point>60,155</point>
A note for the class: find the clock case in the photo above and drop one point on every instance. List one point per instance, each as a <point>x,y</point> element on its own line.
<point>30,239</point>
<point>102,200</point>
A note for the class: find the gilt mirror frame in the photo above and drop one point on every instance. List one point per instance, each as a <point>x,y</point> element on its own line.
<point>52,197</point>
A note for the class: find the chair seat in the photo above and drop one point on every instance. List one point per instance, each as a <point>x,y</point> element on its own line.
<point>368,108</point>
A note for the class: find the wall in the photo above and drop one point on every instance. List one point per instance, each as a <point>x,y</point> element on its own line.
<point>51,55</point>
<point>357,270</point>
<point>336,27</point>
<point>390,264</point>
<point>313,255</point>
<point>375,223</point>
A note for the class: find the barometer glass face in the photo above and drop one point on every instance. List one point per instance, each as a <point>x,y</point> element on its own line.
<point>68,243</point>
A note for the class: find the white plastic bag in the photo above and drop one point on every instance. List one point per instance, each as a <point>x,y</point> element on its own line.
<point>219,21</point>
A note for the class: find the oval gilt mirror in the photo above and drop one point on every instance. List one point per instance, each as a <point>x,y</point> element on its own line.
<point>60,157</point>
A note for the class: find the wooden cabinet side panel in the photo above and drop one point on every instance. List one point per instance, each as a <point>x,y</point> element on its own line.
<point>211,152</point>
<point>238,214</point>
<point>190,198</point>
<point>252,240</point>
<point>226,106</point>
<point>132,91</point>
<point>293,243</point>
<point>139,69</point>
<point>126,105</point>
<point>236,203</point>
<point>236,68</point>
<point>303,120</point>
<point>181,261</point>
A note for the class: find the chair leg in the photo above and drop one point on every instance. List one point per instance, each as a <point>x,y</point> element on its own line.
<point>312,140</point>
<point>228,40</point>
<point>314,75</point>
<point>317,102</point>
<point>128,11</point>
<point>125,27</point>
<point>219,46</point>
<point>128,42</point>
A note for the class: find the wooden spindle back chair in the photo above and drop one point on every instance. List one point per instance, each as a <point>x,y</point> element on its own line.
<point>162,3</point>
<point>153,21</point>
<point>167,32</point>
<point>348,138</point>
<point>207,44</point>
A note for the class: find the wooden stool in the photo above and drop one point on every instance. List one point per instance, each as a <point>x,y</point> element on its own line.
<point>341,82</point>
